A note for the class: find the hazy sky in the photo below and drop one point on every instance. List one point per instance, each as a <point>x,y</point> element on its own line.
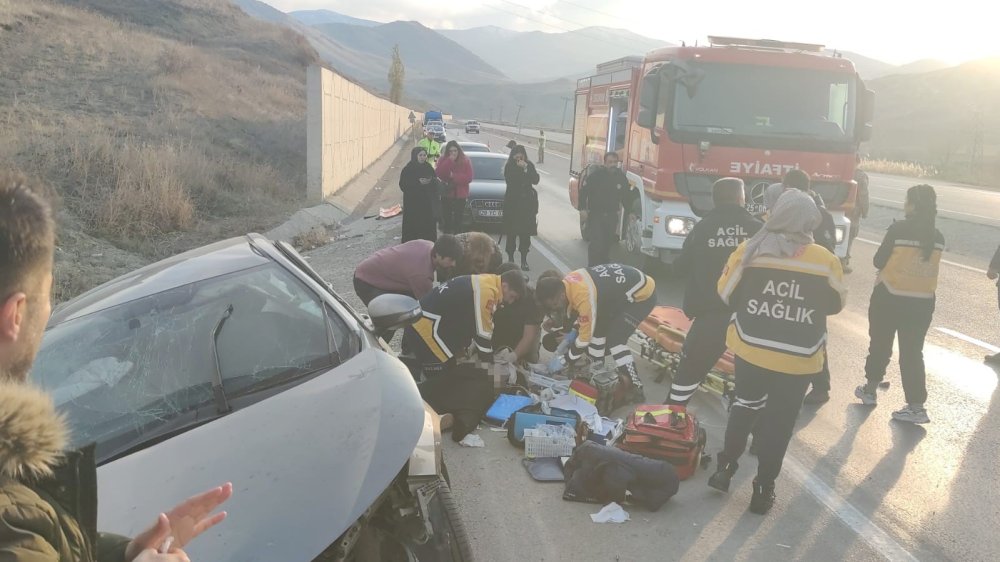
<point>894,31</point>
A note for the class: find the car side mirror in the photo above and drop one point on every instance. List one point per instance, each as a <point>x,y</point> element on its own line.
<point>391,312</point>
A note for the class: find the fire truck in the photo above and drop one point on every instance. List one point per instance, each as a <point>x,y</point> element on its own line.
<point>682,117</point>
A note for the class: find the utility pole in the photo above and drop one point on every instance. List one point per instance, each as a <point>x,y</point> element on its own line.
<point>562,124</point>
<point>517,119</point>
<point>976,154</point>
<point>501,115</point>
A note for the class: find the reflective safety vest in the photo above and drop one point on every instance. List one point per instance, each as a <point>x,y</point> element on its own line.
<point>780,307</point>
<point>596,297</point>
<point>457,313</point>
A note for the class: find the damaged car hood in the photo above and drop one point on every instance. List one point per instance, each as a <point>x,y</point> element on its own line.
<point>304,464</point>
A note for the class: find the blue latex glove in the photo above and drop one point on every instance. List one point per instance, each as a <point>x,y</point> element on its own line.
<point>556,364</point>
<point>566,343</point>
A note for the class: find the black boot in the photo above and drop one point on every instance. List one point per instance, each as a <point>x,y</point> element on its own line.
<point>510,257</point>
<point>627,373</point>
<point>723,474</point>
<point>524,261</point>
<point>763,498</point>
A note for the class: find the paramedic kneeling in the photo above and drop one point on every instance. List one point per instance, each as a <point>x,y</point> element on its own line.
<point>781,287</point>
<point>609,302</point>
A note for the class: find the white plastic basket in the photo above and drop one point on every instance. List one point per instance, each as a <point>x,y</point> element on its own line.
<point>539,445</point>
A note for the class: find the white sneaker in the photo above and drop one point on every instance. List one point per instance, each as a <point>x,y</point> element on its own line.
<point>868,397</point>
<point>911,414</point>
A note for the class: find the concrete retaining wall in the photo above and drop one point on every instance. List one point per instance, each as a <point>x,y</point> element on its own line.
<point>348,129</point>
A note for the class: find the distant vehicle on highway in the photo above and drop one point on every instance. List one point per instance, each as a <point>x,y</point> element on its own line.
<point>484,207</point>
<point>238,361</point>
<point>433,117</point>
<point>472,127</point>
<point>469,146</point>
<point>439,134</point>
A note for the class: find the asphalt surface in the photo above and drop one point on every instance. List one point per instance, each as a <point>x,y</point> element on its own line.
<point>855,485</point>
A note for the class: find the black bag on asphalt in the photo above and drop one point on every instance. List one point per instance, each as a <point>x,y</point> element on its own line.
<point>601,474</point>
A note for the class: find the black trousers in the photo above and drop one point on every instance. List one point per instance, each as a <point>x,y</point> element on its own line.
<point>461,390</point>
<point>704,345</point>
<point>909,318</point>
<point>367,292</point>
<point>767,403</point>
<point>452,212</point>
<point>512,243</point>
<point>601,239</point>
<point>821,382</point>
<point>621,329</point>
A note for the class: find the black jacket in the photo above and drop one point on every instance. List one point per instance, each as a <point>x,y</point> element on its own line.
<point>520,202</point>
<point>706,249</point>
<point>826,234</point>
<point>598,472</point>
<point>603,191</point>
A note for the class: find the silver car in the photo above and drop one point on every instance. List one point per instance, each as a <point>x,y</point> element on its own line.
<point>484,207</point>
<point>237,362</point>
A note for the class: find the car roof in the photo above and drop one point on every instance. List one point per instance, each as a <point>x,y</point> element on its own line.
<point>491,155</point>
<point>471,143</point>
<point>206,262</point>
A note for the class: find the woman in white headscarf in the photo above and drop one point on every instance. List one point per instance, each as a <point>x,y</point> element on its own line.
<point>781,287</point>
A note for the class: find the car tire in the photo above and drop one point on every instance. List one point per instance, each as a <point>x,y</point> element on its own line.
<point>450,535</point>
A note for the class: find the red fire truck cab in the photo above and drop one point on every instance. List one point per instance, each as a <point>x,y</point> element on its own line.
<point>683,117</point>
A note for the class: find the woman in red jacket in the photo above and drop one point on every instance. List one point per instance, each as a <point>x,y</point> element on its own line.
<point>455,172</point>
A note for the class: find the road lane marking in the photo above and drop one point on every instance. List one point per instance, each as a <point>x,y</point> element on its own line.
<point>854,519</point>
<point>864,527</point>
<point>897,203</point>
<point>541,171</point>
<point>959,335</point>
<point>955,264</point>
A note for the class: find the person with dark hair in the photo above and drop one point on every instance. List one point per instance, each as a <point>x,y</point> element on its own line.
<point>48,496</point>
<point>455,171</point>
<point>406,269</point>
<point>781,288</point>
<point>520,204</point>
<point>902,302</point>
<point>993,273</point>
<point>518,326</point>
<point>602,194</point>
<point>706,249</point>
<point>421,200</point>
<point>609,302</point>
<point>457,322</point>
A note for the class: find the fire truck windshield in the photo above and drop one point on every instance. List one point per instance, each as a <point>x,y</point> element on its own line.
<point>762,101</point>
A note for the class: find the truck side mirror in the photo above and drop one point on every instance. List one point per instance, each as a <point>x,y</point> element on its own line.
<point>866,114</point>
<point>649,96</point>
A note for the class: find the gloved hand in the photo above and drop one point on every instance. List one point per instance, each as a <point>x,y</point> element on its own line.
<point>557,364</point>
<point>505,356</point>
<point>568,340</point>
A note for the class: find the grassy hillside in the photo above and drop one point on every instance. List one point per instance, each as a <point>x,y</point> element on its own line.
<point>932,118</point>
<point>162,123</point>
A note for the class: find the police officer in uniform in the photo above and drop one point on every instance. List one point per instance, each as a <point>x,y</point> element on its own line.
<point>609,302</point>
<point>781,287</point>
<point>601,199</point>
<point>705,252</point>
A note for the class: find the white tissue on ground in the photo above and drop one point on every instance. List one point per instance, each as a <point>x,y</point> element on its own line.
<point>611,513</point>
<point>472,440</point>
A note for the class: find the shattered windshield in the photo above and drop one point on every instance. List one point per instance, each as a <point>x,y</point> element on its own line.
<point>755,100</point>
<point>127,373</point>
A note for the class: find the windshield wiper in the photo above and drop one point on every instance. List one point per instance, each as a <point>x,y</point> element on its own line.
<point>221,402</point>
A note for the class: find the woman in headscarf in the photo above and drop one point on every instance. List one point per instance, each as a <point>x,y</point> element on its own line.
<point>455,170</point>
<point>781,287</point>
<point>520,204</point>
<point>421,205</point>
<point>903,302</point>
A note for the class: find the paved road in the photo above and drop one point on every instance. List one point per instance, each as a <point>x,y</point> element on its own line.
<point>856,485</point>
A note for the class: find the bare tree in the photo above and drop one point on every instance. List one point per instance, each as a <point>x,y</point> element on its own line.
<point>397,73</point>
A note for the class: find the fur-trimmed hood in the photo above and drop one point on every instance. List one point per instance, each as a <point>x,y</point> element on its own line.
<point>32,435</point>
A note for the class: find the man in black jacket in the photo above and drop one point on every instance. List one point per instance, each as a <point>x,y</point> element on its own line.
<point>600,203</point>
<point>826,236</point>
<point>994,273</point>
<point>705,252</point>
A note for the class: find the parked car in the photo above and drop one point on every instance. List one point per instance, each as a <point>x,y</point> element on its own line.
<point>472,127</point>
<point>484,207</point>
<point>439,134</point>
<point>238,362</point>
<point>469,146</point>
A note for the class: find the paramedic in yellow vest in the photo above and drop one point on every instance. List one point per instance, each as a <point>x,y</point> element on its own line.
<point>781,287</point>
<point>609,302</point>
<point>902,303</point>
<point>432,147</point>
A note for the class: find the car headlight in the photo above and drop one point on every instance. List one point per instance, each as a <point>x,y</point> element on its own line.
<point>679,226</point>
<point>840,234</point>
